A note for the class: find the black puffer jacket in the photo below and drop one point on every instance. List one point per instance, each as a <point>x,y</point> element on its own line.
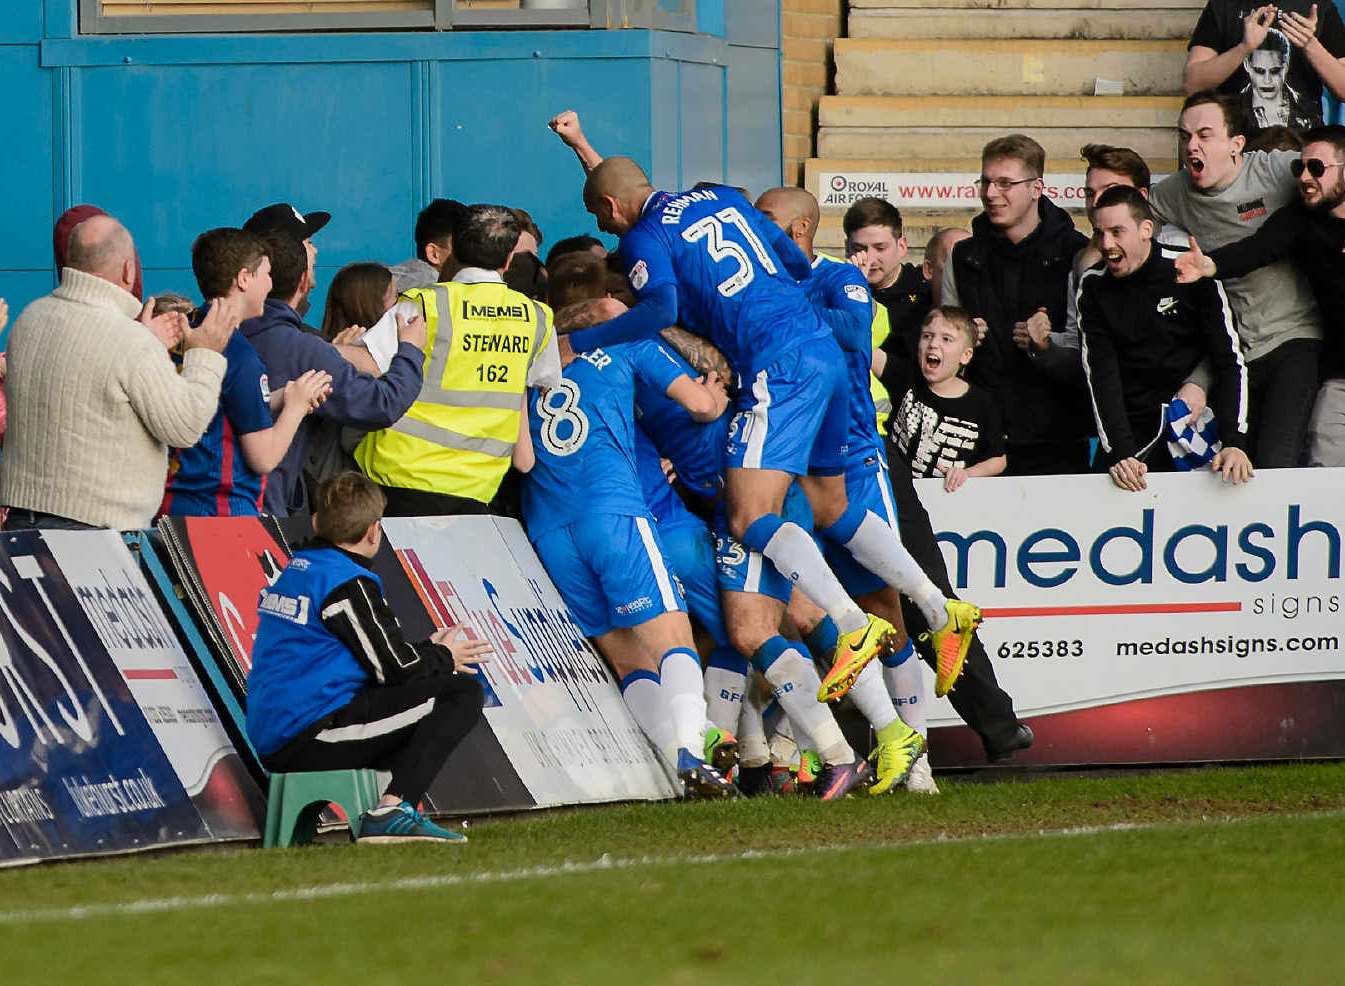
<point>1142,337</point>
<point>1004,283</point>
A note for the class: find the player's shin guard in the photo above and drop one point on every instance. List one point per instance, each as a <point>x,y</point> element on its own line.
<point>649,708</point>
<point>821,640</point>
<point>795,683</point>
<point>753,748</point>
<point>725,686</point>
<point>870,696</point>
<point>684,691</point>
<point>878,548</point>
<point>795,555</point>
<point>904,676</point>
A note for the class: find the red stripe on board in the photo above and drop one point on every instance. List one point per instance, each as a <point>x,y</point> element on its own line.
<point>1009,612</point>
<point>150,674</point>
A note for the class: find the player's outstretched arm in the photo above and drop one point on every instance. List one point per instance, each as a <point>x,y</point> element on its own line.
<point>656,311</point>
<point>566,126</point>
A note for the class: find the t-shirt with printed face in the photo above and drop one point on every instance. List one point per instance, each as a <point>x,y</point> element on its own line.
<point>933,431</point>
<point>1276,82</point>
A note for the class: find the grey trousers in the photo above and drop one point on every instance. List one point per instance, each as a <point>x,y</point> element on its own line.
<point>1326,430</point>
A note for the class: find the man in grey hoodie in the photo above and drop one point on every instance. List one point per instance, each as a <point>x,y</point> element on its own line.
<point>1220,196</point>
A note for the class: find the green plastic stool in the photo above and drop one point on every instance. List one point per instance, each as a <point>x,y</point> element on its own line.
<point>296,800</point>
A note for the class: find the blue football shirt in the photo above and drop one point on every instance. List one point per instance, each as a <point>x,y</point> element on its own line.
<point>211,479</point>
<point>724,257</point>
<point>583,434</point>
<point>839,289</point>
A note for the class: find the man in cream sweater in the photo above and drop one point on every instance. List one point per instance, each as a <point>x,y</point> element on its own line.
<point>94,399</point>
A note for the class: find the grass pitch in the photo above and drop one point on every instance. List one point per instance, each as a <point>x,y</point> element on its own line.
<point>1199,876</point>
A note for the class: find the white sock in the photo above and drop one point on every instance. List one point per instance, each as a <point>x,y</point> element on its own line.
<point>684,690</point>
<point>879,549</point>
<point>724,697</point>
<point>795,555</point>
<point>906,685</point>
<point>795,684</point>
<point>753,749</point>
<point>649,708</point>
<point>871,698</point>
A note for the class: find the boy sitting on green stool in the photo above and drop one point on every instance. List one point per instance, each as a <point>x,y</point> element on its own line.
<point>335,686</point>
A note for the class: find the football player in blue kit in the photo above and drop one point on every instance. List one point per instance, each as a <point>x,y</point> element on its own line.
<point>587,518</point>
<point>709,261</point>
<point>708,565</point>
<point>841,293</point>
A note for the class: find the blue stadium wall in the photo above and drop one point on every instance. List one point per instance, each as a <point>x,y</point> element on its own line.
<point>177,134</point>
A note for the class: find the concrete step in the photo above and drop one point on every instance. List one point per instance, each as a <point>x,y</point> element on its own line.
<point>918,142</point>
<point>866,7</point>
<point>837,182</point>
<point>1028,67</point>
<point>1005,112</point>
<point>953,21</point>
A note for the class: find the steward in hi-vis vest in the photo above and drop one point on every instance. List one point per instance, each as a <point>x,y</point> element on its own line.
<point>458,437</point>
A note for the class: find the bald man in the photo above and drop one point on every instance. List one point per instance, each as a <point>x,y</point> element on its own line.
<point>94,399</point>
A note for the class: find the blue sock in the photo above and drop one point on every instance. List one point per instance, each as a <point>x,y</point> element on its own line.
<point>822,639</point>
<point>769,652</point>
<point>846,525</point>
<point>900,657</point>
<point>761,530</point>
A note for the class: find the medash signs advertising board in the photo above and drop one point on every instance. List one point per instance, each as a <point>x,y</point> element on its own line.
<point>1094,596</point>
<point>550,700</point>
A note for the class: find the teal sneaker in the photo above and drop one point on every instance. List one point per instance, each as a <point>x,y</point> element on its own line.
<point>402,823</point>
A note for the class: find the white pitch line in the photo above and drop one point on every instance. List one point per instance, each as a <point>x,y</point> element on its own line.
<point>328,891</point>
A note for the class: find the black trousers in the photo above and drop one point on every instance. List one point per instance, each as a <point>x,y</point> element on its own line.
<point>978,699</point>
<point>1047,458</point>
<point>409,729</point>
<point>423,503</point>
<point>1282,388</point>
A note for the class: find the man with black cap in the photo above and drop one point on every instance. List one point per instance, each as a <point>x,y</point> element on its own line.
<point>283,219</point>
<point>288,350</point>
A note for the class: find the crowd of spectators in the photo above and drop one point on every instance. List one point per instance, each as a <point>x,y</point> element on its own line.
<point>1019,346</point>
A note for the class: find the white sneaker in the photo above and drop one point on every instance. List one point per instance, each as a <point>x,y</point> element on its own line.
<point>921,778</point>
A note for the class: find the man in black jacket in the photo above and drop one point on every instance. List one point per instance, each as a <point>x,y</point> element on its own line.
<point>1013,274</point>
<point>1311,232</point>
<point>1142,335</point>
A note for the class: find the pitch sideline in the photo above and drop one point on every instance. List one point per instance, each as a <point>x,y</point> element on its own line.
<point>326,891</point>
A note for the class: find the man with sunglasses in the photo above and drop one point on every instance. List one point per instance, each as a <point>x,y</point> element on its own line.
<point>1013,273</point>
<point>1311,233</point>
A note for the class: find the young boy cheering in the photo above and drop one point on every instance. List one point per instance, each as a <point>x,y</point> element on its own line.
<point>334,685</point>
<point>944,426</point>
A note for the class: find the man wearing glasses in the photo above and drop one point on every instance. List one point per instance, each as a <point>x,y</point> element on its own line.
<point>1311,233</point>
<point>1012,273</point>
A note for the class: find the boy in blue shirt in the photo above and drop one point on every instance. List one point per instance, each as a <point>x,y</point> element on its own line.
<point>224,474</point>
<point>334,685</point>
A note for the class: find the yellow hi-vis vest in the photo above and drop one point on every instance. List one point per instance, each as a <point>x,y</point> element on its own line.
<point>882,328</point>
<point>459,435</point>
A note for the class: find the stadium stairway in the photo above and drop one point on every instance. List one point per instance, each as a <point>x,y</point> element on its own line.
<point>921,85</point>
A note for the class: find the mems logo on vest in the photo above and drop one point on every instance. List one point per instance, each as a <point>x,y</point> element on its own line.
<point>471,310</point>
